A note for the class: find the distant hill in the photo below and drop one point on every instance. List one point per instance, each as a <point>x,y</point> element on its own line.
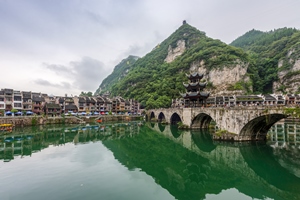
<point>273,54</point>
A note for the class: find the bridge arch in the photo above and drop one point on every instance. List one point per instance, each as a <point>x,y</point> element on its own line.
<point>201,121</point>
<point>175,118</point>
<point>161,117</point>
<point>152,116</point>
<point>258,127</point>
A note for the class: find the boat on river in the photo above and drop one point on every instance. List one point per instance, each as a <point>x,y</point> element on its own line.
<point>6,128</point>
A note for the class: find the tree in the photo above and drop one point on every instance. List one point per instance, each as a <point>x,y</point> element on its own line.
<point>89,94</point>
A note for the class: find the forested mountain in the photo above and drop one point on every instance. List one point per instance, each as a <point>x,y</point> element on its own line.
<point>119,72</point>
<point>271,54</point>
<point>249,65</point>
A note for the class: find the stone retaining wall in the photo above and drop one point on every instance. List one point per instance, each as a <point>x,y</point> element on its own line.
<point>39,120</point>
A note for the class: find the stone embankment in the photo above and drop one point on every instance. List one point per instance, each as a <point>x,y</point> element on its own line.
<point>43,120</point>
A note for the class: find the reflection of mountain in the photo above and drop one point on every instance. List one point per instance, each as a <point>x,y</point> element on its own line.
<point>187,174</point>
<point>182,172</point>
<point>189,166</point>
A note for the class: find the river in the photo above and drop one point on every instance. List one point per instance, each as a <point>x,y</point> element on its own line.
<point>146,161</point>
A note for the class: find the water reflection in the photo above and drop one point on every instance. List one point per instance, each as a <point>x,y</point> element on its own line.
<point>190,165</point>
<point>26,141</point>
<point>203,140</point>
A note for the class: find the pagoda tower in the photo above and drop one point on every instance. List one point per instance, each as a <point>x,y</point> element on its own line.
<point>195,96</point>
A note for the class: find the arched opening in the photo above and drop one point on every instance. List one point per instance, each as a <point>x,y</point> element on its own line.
<point>203,140</point>
<point>257,128</point>
<point>201,121</point>
<point>175,118</point>
<point>152,116</point>
<point>146,118</point>
<point>161,117</point>
<point>152,125</point>
<point>161,127</point>
<point>175,131</point>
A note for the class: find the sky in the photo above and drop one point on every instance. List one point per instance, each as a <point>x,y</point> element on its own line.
<point>67,46</point>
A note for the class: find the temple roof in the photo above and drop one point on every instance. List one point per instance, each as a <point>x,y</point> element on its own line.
<point>195,95</point>
<point>194,75</point>
<point>202,85</point>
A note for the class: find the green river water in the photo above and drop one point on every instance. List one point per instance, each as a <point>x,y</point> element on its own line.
<point>146,161</point>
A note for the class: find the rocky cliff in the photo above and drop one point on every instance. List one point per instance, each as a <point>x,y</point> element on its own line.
<point>289,73</point>
<point>223,79</point>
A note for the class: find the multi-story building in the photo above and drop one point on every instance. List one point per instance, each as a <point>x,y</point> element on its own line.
<point>8,95</point>
<point>69,105</point>
<point>93,106</point>
<point>17,100</point>
<point>38,103</point>
<point>27,101</point>
<point>135,106</point>
<point>2,101</point>
<point>52,109</point>
<point>80,103</point>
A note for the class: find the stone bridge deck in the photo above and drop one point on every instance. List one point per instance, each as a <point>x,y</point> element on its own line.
<point>239,123</point>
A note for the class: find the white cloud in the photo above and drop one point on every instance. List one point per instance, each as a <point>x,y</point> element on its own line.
<point>70,46</point>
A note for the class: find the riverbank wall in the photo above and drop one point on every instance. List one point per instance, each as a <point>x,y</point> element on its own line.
<point>43,120</point>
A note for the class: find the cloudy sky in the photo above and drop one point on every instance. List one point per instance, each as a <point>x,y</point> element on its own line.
<point>67,46</point>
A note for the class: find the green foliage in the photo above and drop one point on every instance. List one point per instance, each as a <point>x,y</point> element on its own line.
<point>265,50</point>
<point>88,94</point>
<point>182,126</point>
<point>154,83</point>
<point>294,112</point>
<point>119,72</point>
<point>14,110</point>
<point>34,121</point>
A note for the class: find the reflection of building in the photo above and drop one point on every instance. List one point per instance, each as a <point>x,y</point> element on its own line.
<point>24,145</point>
<point>283,133</point>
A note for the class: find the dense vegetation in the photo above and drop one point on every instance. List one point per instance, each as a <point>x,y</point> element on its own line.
<point>153,82</point>
<point>119,72</point>
<point>265,50</point>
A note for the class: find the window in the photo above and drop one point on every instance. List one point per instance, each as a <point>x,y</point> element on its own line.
<point>17,105</point>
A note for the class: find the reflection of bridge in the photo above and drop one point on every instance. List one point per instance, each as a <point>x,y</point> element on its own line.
<point>240,160</point>
<point>245,123</point>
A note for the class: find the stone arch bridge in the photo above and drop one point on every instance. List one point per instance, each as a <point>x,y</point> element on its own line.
<point>240,123</point>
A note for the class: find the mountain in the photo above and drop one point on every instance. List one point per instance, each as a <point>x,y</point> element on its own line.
<point>156,79</point>
<point>119,72</point>
<point>274,59</point>
<point>257,62</point>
